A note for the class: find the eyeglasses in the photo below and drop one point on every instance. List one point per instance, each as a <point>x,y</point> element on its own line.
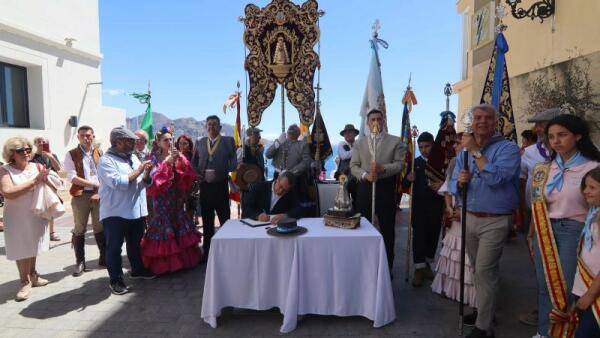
<point>141,140</point>
<point>23,150</point>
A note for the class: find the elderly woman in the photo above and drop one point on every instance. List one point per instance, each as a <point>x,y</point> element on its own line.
<point>25,234</point>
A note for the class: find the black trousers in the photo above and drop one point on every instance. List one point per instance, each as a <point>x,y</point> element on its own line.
<point>214,197</point>
<point>426,224</point>
<point>385,209</point>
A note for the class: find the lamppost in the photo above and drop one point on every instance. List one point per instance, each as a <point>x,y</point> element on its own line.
<point>542,9</point>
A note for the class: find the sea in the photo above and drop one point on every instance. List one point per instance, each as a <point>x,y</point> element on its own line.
<point>330,165</point>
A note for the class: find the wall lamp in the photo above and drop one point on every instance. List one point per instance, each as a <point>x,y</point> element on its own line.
<point>542,9</point>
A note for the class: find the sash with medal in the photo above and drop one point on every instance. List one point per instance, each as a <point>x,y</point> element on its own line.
<point>563,320</point>
<point>588,278</point>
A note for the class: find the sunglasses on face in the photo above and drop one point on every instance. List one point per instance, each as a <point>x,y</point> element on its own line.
<point>23,150</point>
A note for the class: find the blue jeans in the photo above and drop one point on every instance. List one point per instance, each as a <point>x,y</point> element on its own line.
<point>566,236</point>
<point>115,230</point>
<point>588,326</point>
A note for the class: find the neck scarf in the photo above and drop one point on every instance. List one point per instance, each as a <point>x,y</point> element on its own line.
<point>542,151</point>
<point>558,179</point>
<point>125,156</point>
<point>586,234</point>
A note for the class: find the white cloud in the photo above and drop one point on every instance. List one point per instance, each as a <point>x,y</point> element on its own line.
<point>114,92</point>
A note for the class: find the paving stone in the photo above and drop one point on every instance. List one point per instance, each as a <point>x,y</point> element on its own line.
<point>170,305</point>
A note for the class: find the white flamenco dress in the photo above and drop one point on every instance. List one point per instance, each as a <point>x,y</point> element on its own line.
<point>447,277</point>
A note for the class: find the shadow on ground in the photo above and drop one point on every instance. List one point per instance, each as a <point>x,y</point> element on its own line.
<point>92,292</point>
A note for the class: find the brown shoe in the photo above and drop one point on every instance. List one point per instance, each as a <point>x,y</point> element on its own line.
<point>37,281</point>
<point>429,274</point>
<point>54,237</point>
<point>418,278</point>
<point>78,242</point>
<point>24,291</point>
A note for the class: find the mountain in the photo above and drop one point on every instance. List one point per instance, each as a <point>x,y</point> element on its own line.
<point>185,125</point>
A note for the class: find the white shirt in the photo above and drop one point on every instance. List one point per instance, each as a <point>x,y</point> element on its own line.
<point>274,197</point>
<point>344,154</point>
<point>90,171</point>
<point>531,156</point>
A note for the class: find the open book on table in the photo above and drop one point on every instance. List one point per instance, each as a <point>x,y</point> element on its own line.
<point>254,223</point>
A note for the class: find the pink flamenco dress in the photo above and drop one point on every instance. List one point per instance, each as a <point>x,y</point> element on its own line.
<point>171,241</point>
<point>447,277</point>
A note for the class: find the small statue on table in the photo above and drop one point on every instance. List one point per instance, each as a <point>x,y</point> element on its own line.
<point>342,215</point>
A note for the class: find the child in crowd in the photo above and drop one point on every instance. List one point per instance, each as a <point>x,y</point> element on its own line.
<point>587,280</point>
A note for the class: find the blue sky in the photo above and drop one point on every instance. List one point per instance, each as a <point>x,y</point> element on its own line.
<point>193,54</point>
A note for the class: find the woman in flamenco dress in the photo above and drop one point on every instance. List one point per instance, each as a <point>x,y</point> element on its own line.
<point>171,239</point>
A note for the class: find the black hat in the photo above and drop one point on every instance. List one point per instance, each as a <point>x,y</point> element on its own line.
<point>349,127</point>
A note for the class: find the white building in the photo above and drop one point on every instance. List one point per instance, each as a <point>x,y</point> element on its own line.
<point>50,72</point>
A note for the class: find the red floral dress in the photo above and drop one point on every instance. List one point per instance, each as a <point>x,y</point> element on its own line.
<point>171,240</point>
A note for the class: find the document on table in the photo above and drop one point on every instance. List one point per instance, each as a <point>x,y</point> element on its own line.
<point>253,223</point>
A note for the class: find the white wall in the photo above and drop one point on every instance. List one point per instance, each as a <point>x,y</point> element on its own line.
<point>32,34</point>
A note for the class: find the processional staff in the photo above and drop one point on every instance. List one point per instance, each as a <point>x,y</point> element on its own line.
<point>463,233</point>
<point>414,134</point>
<point>375,129</point>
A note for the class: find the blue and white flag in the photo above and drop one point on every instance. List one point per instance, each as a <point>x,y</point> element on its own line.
<point>373,97</point>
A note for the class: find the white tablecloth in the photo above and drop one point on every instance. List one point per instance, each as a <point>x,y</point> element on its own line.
<point>326,271</point>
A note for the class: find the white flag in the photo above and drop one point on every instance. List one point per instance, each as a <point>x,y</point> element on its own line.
<point>373,97</point>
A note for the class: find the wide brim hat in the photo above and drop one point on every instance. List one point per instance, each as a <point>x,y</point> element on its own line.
<point>351,128</point>
<point>300,230</point>
<point>247,174</point>
<point>546,115</point>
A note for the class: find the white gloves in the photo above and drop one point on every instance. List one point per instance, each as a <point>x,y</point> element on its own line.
<point>280,140</point>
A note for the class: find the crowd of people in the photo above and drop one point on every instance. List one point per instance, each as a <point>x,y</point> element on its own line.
<point>151,199</point>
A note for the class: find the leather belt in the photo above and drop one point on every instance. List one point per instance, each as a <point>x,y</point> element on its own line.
<point>486,214</point>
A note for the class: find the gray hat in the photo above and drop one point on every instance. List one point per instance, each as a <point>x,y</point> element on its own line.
<point>349,127</point>
<point>547,115</point>
<point>253,130</point>
<point>122,133</point>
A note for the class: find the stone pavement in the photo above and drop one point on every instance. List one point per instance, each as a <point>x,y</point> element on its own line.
<point>170,305</point>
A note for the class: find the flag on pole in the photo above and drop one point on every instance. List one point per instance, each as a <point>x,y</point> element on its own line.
<point>147,121</point>
<point>373,97</point>
<point>496,89</point>
<point>409,100</point>
<point>320,146</point>
<point>234,100</point>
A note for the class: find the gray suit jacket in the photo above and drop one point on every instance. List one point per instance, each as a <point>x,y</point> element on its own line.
<point>390,153</point>
<point>224,158</point>
<point>298,156</point>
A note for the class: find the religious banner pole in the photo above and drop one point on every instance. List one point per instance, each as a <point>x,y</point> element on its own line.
<point>282,108</point>
<point>407,138</point>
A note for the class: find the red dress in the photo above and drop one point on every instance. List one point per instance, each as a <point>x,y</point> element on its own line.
<point>171,240</point>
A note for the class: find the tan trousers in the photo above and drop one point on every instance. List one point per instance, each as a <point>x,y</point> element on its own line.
<point>82,208</point>
<point>484,243</point>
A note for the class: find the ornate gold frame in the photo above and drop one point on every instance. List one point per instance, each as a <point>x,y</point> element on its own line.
<point>280,38</point>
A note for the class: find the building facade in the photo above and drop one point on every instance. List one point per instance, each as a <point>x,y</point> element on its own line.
<point>50,78</point>
<point>536,50</point>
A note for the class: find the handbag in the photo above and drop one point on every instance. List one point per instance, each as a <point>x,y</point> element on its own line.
<point>46,203</point>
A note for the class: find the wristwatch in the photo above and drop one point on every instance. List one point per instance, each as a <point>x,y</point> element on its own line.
<point>477,154</point>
